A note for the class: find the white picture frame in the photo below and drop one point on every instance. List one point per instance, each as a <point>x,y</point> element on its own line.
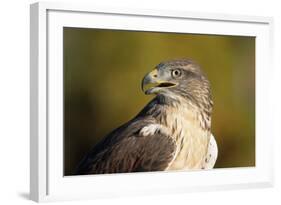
<point>47,182</point>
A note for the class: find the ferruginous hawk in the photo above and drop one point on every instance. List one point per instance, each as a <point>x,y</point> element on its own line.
<point>172,132</point>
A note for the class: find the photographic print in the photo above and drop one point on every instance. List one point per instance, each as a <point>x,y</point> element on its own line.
<point>140,101</point>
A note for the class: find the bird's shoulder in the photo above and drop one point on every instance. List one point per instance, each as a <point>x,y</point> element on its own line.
<point>139,145</point>
<point>138,131</point>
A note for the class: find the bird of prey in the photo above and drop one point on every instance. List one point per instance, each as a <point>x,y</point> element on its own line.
<point>172,132</point>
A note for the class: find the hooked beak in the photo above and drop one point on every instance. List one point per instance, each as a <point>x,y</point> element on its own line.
<point>152,83</point>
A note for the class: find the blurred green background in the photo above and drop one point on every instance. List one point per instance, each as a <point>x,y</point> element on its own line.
<point>103,70</point>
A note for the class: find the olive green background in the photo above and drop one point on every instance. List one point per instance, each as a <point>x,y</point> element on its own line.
<point>103,70</point>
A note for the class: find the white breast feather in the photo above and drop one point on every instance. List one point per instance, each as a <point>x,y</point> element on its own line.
<point>212,154</point>
<point>192,141</point>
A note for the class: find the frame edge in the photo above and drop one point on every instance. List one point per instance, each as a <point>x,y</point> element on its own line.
<point>38,103</point>
<point>34,40</point>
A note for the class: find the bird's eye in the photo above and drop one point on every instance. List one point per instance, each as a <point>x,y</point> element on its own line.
<point>176,73</point>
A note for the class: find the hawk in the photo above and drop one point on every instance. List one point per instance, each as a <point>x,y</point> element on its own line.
<point>172,132</point>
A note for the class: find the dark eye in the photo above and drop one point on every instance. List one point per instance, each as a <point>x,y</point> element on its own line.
<point>176,73</point>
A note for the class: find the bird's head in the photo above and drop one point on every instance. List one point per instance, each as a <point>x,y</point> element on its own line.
<point>179,79</point>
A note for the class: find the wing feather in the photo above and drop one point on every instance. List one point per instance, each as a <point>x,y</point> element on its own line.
<point>130,149</point>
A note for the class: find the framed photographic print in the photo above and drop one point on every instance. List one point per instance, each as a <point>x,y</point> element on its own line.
<point>127,102</point>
